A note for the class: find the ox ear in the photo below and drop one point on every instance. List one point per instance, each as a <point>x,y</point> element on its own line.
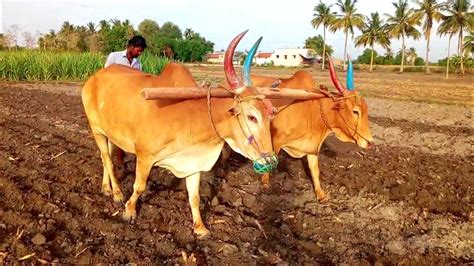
<point>338,105</point>
<point>234,110</point>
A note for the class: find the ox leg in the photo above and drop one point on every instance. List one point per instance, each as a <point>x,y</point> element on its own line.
<point>192,185</point>
<point>143,168</point>
<point>313,164</point>
<point>266,180</point>
<point>109,176</point>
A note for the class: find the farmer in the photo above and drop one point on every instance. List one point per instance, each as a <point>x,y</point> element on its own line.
<point>129,57</point>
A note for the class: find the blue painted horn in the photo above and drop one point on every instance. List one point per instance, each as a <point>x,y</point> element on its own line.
<point>248,63</point>
<point>350,75</point>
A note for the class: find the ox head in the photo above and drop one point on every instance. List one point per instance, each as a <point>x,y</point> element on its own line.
<point>250,114</point>
<point>351,120</point>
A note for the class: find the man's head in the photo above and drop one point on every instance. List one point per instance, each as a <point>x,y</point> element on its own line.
<point>136,46</point>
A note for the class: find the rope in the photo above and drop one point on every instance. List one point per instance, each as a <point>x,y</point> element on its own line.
<point>239,101</point>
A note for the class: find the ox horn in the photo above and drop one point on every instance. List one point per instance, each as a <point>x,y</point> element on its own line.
<point>248,63</point>
<point>350,75</point>
<point>229,70</point>
<point>334,78</point>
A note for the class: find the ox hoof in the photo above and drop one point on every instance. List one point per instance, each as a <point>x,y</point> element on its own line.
<point>118,196</point>
<point>129,217</point>
<point>202,232</point>
<point>322,197</point>
<point>106,190</point>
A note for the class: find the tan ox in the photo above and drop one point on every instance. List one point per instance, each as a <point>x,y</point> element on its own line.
<point>185,137</point>
<point>300,127</point>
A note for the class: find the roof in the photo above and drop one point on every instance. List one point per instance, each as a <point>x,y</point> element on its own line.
<point>264,55</point>
<point>213,56</point>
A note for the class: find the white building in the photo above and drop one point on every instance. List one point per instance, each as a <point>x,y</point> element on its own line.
<point>216,58</point>
<point>263,59</point>
<point>292,57</point>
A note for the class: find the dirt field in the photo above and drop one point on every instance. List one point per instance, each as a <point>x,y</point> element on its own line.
<point>408,201</point>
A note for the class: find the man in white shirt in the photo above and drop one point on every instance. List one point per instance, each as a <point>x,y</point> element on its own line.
<point>129,57</point>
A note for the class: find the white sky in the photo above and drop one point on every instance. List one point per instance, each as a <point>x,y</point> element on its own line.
<point>283,24</point>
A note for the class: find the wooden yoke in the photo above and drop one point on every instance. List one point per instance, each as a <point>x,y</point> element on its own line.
<point>182,93</point>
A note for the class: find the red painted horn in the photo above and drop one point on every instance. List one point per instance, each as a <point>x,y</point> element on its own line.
<point>228,64</point>
<point>334,78</point>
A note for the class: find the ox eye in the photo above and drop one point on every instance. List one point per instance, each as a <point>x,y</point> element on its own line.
<point>355,112</point>
<point>252,118</point>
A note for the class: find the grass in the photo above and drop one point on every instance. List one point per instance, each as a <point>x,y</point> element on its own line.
<point>63,66</point>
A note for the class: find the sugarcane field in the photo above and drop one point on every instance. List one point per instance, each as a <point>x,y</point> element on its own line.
<point>235,146</point>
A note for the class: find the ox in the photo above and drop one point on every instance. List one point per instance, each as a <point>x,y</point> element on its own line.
<point>300,127</point>
<point>185,137</point>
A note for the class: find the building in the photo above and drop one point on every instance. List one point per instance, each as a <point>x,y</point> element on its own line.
<point>292,57</point>
<point>263,58</point>
<point>216,58</point>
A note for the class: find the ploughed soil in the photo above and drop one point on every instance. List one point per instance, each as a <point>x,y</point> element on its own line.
<point>407,201</point>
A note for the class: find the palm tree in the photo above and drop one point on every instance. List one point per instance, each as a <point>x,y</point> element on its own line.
<point>90,27</point>
<point>444,29</point>
<point>402,25</point>
<point>411,56</point>
<point>429,11</point>
<point>188,33</point>
<point>373,33</point>
<point>457,20</point>
<point>468,44</point>
<point>347,21</point>
<point>323,16</point>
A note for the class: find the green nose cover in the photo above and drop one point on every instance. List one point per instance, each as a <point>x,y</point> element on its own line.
<point>266,164</point>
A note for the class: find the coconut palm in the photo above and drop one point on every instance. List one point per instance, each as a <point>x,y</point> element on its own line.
<point>446,29</point>
<point>402,25</point>
<point>323,16</point>
<point>347,21</point>
<point>373,33</point>
<point>429,11</point>
<point>188,33</point>
<point>468,44</point>
<point>411,56</point>
<point>457,20</point>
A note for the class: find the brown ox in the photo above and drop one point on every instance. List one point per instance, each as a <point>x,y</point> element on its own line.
<point>185,137</point>
<point>300,127</point>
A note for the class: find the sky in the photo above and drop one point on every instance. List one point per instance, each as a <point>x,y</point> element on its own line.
<point>283,24</point>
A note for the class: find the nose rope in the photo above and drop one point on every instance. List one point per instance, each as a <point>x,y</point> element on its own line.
<point>355,132</point>
<point>251,139</point>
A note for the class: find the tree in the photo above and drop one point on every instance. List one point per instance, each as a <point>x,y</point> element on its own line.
<point>29,39</point>
<point>323,16</point>
<point>148,28</point>
<point>188,33</point>
<point>429,11</point>
<point>468,45</point>
<point>411,56</point>
<point>366,56</point>
<point>446,29</point>
<point>373,33</point>
<point>2,41</point>
<point>170,30</point>
<point>347,21</point>
<point>402,25</point>
<point>457,20</point>
<point>317,43</point>
<point>11,36</point>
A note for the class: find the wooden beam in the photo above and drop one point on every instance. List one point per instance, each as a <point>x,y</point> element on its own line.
<point>183,93</point>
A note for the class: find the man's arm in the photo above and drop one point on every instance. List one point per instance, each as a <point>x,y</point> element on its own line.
<point>110,60</point>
